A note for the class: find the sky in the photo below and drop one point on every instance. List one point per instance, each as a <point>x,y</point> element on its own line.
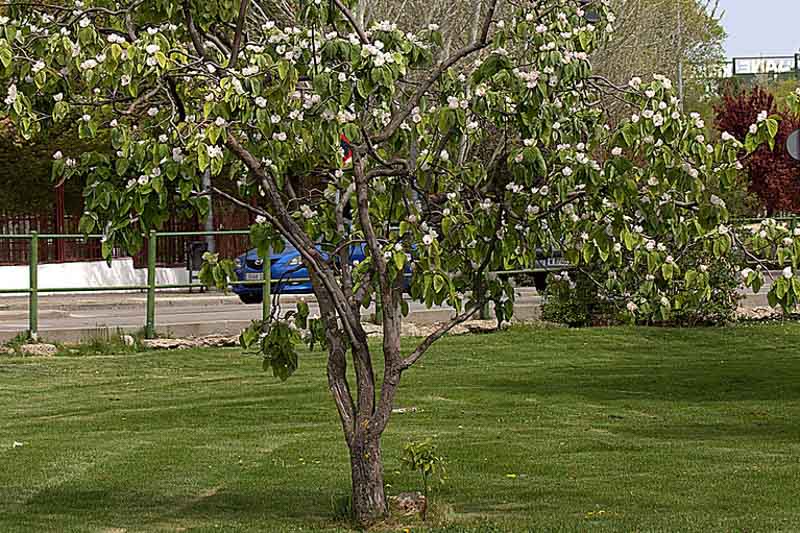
<point>761,27</point>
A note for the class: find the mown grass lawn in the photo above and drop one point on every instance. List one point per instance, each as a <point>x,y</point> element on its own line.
<point>545,430</point>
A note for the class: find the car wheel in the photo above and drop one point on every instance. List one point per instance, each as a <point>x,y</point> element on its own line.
<point>540,281</point>
<point>254,298</point>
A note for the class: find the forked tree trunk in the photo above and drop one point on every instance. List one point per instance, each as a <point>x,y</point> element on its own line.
<point>369,496</point>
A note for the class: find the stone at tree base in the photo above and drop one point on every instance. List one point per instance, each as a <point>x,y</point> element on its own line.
<point>127,340</point>
<point>211,341</point>
<point>408,503</point>
<point>218,341</point>
<point>758,313</point>
<point>168,344</point>
<point>38,350</point>
<point>475,326</point>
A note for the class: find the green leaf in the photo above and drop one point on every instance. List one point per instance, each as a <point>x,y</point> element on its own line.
<point>399,260</point>
<point>772,298</point>
<point>202,157</point>
<point>588,252</point>
<point>6,56</point>
<point>666,271</point>
<point>758,282</point>
<point>772,127</point>
<point>283,69</point>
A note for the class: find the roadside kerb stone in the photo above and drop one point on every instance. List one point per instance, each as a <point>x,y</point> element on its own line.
<point>38,350</point>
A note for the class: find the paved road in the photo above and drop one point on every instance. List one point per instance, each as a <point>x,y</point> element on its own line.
<point>76,317</point>
<point>73,317</point>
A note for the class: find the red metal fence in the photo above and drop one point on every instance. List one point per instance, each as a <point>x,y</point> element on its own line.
<point>171,251</point>
<point>16,252</point>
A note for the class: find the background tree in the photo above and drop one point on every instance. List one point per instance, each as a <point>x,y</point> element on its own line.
<point>774,177</point>
<point>655,37</point>
<point>220,87</point>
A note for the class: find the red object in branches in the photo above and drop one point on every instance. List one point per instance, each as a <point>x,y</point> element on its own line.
<point>347,150</point>
<point>774,175</point>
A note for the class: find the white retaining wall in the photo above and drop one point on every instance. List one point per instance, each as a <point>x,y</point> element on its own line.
<point>92,274</point>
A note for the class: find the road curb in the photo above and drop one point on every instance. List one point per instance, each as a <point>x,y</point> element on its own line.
<point>524,311</point>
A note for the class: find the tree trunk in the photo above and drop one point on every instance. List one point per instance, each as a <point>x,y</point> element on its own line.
<point>369,496</point>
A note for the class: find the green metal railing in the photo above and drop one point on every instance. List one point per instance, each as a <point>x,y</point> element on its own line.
<point>151,287</point>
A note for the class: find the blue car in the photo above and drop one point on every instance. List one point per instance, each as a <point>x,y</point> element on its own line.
<point>288,274</point>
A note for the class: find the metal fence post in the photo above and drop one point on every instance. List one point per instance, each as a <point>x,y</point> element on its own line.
<point>378,308</point>
<point>33,305</point>
<point>266,302</point>
<point>480,293</point>
<point>150,328</point>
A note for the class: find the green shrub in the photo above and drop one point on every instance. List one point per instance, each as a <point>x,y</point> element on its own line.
<point>575,300</point>
<point>572,299</point>
<point>720,308</point>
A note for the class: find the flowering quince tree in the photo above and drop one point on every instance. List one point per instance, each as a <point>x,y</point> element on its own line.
<point>462,166</point>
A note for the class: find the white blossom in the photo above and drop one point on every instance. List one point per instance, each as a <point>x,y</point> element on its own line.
<point>214,152</point>
<point>12,94</point>
<point>251,70</point>
<point>307,212</point>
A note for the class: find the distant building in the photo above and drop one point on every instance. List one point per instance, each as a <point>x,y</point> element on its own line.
<point>778,67</point>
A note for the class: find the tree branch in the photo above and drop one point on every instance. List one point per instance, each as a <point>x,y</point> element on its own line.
<point>237,38</point>
<point>353,22</point>
<point>480,44</point>
<point>197,41</point>
<point>438,334</point>
<point>304,245</point>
